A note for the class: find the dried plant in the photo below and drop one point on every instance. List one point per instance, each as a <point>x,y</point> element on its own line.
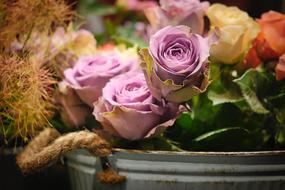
<point>22,17</point>
<point>25,97</point>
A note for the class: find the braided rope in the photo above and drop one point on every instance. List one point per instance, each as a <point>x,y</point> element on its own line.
<point>47,148</point>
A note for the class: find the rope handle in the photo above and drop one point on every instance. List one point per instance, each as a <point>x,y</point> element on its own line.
<point>48,146</point>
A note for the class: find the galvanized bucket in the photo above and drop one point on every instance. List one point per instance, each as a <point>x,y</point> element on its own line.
<point>162,170</point>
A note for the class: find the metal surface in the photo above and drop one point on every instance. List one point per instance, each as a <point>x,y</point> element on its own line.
<point>183,170</point>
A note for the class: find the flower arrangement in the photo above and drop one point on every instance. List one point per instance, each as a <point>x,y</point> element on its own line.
<point>167,81</point>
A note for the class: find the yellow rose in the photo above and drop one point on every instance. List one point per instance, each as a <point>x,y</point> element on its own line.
<point>237,31</point>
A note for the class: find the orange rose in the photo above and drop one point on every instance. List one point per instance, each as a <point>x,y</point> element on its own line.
<point>260,51</point>
<point>273,28</point>
<point>251,59</point>
<point>269,44</point>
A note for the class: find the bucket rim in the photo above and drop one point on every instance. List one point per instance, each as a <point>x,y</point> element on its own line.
<point>202,153</point>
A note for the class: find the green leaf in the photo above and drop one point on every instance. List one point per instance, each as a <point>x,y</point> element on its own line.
<point>225,97</point>
<point>85,8</point>
<point>216,133</point>
<point>126,34</point>
<point>203,110</point>
<point>130,42</point>
<point>277,100</point>
<point>184,120</point>
<point>251,83</point>
<point>222,89</point>
<point>225,139</point>
<point>110,27</point>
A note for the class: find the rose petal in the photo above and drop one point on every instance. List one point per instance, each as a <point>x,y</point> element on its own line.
<point>72,110</point>
<point>190,13</point>
<point>124,121</point>
<point>280,68</point>
<point>163,126</point>
<point>168,89</point>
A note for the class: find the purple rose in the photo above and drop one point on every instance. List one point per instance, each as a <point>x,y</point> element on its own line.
<point>90,73</point>
<point>72,110</point>
<point>178,12</point>
<point>176,64</point>
<point>127,109</point>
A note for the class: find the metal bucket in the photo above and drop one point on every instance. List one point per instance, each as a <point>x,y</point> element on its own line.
<point>162,170</point>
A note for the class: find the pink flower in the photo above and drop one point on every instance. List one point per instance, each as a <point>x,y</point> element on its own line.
<point>176,64</point>
<point>127,109</point>
<point>73,111</point>
<point>180,12</point>
<point>90,73</point>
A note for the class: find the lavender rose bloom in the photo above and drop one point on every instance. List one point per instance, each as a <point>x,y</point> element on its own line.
<point>176,64</point>
<point>178,12</point>
<point>90,73</point>
<point>127,109</point>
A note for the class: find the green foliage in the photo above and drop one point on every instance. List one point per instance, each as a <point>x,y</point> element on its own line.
<point>253,84</point>
<point>237,113</point>
<point>233,136</point>
<point>119,24</point>
<point>125,34</point>
<point>88,7</point>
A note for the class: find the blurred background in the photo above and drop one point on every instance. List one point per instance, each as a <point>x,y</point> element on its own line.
<point>96,12</point>
<point>253,7</point>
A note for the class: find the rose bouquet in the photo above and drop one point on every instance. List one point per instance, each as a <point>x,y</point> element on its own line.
<point>218,84</point>
<point>178,75</point>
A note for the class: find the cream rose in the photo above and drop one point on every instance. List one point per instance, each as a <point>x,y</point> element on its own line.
<point>237,31</point>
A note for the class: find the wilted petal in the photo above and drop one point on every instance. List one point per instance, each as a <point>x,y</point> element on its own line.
<point>188,91</point>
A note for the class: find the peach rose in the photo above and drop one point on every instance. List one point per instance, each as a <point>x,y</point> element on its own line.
<point>237,31</point>
<point>273,28</point>
<point>270,43</point>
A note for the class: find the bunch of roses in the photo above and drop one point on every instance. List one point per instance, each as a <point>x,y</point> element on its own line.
<point>134,102</point>
<point>133,98</point>
<point>242,39</point>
